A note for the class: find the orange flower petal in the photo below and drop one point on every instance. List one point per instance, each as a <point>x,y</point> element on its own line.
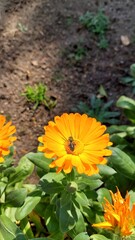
<point>118,215</point>
<point>6,138</point>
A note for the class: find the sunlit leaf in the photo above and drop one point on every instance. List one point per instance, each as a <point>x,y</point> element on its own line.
<point>16,197</point>
<point>105,170</point>
<point>103,193</point>
<point>68,213</point>
<point>82,236</point>
<point>98,237</point>
<point>9,230</point>
<point>39,160</point>
<point>123,163</point>
<point>30,202</point>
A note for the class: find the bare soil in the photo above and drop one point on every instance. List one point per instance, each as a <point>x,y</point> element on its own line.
<point>36,40</point>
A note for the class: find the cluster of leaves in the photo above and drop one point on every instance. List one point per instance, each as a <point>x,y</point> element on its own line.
<point>130,80</point>
<point>98,24</point>
<point>37,95</point>
<point>76,52</point>
<point>59,206</point>
<point>100,110</point>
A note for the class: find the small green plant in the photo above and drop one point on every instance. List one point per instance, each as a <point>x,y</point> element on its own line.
<point>37,95</point>
<point>97,24</point>
<point>69,21</point>
<point>22,27</point>
<point>57,76</point>
<point>77,53</point>
<point>100,110</point>
<point>123,136</point>
<point>103,43</point>
<point>130,80</point>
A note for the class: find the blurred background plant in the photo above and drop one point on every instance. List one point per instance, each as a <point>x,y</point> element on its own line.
<point>98,24</point>
<point>130,80</point>
<point>99,109</point>
<point>76,52</point>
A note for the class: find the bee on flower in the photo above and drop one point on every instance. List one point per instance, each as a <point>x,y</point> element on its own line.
<point>75,140</point>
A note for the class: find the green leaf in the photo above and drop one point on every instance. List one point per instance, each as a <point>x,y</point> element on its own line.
<point>97,206</point>
<point>132,196</point>
<point>50,218</point>
<point>79,227</point>
<point>2,187</point>
<point>39,160</point>
<point>102,91</point>
<point>82,199</point>
<point>51,176</point>
<point>82,236</point>
<point>8,171</point>
<point>42,238</point>
<point>98,237</point>
<point>16,197</point>
<point>105,170</point>
<point>51,184</point>
<point>132,237</point>
<point>9,231</point>
<point>30,202</point>
<point>56,236</point>
<point>68,213</point>
<point>51,187</point>
<point>84,181</point>
<point>126,103</point>
<point>89,214</point>
<point>116,129</point>
<point>102,194</point>
<point>23,170</point>
<point>127,80</point>
<point>132,70</point>
<point>119,180</point>
<point>10,213</point>
<point>123,163</point>
<point>130,115</point>
<point>26,227</point>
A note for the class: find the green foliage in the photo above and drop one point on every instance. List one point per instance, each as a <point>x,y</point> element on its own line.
<point>103,43</point>
<point>97,24</point>
<point>128,106</point>
<point>57,205</point>
<point>69,21</point>
<point>37,95</point>
<point>100,110</point>
<point>64,206</point>
<point>76,53</point>
<point>130,80</point>
<point>9,230</point>
<point>22,27</point>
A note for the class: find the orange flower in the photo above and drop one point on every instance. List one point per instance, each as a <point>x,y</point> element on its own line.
<point>75,140</point>
<point>6,138</point>
<point>119,217</point>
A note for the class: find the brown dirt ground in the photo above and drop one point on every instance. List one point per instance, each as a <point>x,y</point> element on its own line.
<point>37,54</point>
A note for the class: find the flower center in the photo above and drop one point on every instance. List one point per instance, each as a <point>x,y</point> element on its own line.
<point>74,146</point>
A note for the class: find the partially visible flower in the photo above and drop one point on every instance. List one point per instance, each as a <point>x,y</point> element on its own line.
<point>75,140</point>
<point>119,217</point>
<point>6,138</point>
